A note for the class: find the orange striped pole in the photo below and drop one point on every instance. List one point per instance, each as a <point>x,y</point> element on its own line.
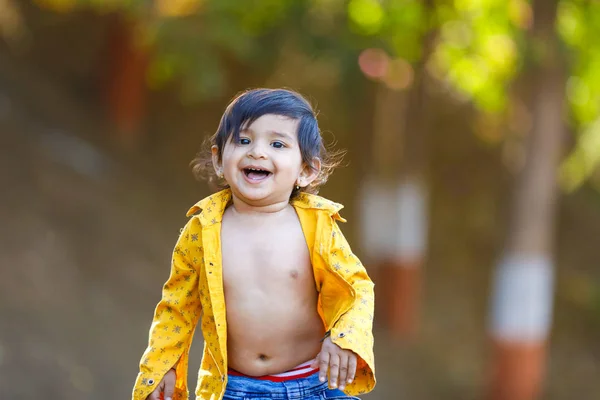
<point>375,200</point>
<point>406,258</point>
<point>521,319</point>
<point>523,291</point>
<point>395,237</point>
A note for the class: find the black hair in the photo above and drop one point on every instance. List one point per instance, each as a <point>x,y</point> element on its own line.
<point>250,105</point>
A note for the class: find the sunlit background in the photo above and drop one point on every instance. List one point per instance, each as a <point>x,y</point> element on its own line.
<point>471,182</point>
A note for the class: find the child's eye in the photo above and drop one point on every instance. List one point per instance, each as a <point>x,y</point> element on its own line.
<point>278,145</point>
<point>244,141</point>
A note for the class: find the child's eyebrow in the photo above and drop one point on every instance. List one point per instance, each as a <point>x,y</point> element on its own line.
<point>284,135</point>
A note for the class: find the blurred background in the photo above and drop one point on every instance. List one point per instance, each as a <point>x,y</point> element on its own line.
<point>471,185</point>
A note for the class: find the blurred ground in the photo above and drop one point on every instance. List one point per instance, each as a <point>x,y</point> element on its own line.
<point>85,245</point>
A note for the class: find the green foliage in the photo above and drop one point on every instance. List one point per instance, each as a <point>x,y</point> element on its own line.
<point>478,48</point>
<point>407,24</point>
<point>366,16</point>
<point>397,25</point>
<point>578,24</point>
<point>482,46</point>
<point>192,40</point>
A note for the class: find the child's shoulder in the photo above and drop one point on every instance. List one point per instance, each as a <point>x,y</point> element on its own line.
<point>211,206</point>
<point>318,203</point>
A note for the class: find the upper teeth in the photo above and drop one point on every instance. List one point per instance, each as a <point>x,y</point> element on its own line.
<point>254,169</point>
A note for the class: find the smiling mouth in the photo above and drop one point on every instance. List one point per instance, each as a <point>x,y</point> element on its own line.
<point>256,174</point>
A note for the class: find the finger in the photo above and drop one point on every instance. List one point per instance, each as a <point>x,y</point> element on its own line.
<point>315,362</point>
<point>323,365</point>
<point>352,361</point>
<point>343,370</point>
<point>155,395</point>
<point>334,370</point>
<point>169,386</point>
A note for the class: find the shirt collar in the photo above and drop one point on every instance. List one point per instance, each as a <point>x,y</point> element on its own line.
<point>213,206</point>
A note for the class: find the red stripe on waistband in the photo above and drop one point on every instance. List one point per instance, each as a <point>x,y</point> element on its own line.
<point>287,376</point>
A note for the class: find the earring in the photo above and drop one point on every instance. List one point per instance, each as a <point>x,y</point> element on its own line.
<point>297,187</point>
<point>220,175</point>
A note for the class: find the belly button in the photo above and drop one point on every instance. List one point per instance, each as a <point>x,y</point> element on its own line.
<point>263,357</point>
<point>294,274</point>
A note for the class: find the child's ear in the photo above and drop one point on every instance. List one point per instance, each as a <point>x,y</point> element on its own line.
<point>216,162</point>
<point>309,173</point>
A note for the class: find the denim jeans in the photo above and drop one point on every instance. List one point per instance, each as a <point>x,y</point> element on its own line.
<point>309,388</point>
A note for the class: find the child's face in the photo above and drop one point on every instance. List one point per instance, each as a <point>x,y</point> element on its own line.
<point>265,165</point>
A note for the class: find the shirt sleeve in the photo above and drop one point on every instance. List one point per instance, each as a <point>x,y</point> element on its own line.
<point>175,318</point>
<point>354,329</point>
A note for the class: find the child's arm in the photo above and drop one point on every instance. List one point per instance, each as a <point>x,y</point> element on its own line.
<point>175,320</point>
<point>348,347</point>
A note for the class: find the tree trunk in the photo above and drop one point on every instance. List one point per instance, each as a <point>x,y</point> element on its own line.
<point>523,286</point>
<point>404,269</point>
<point>126,80</point>
<point>377,195</point>
<point>394,204</point>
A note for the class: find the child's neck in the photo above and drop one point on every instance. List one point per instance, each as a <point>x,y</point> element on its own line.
<point>245,208</point>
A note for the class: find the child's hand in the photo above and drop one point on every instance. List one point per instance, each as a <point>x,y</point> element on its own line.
<point>166,387</point>
<point>341,363</point>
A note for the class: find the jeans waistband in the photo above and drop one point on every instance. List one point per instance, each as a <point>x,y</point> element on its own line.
<point>245,386</point>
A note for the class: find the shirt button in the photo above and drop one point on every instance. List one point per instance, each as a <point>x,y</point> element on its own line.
<point>150,382</point>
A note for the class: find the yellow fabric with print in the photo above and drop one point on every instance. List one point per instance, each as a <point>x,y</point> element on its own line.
<point>195,288</point>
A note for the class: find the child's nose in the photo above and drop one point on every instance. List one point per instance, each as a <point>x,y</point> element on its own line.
<point>257,152</point>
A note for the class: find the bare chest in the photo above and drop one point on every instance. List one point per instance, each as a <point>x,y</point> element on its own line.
<point>271,254</point>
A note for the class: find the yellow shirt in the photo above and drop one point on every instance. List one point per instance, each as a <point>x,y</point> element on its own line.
<point>195,289</point>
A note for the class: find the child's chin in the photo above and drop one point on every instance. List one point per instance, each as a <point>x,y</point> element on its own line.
<point>255,194</point>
